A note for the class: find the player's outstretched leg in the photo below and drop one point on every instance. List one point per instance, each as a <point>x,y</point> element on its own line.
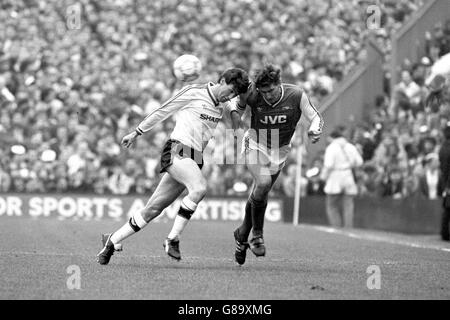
<point>166,192</point>
<point>112,242</point>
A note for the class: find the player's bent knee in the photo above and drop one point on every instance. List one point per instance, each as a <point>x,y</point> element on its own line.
<point>197,195</point>
<point>263,187</point>
<point>198,192</point>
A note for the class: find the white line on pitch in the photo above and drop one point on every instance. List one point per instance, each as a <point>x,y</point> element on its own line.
<point>377,238</point>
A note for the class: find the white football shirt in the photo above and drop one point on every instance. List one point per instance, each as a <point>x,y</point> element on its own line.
<point>198,113</point>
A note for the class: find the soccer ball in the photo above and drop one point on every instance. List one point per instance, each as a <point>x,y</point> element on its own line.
<point>187,67</point>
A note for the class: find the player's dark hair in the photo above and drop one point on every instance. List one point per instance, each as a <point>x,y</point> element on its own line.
<point>237,77</point>
<point>268,75</point>
<point>338,132</point>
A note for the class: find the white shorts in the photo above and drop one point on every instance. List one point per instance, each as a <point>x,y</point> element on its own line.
<point>341,182</point>
<point>268,161</point>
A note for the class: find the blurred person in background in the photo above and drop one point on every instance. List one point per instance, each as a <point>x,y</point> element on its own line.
<point>429,181</point>
<point>94,74</point>
<point>369,181</point>
<point>389,151</point>
<point>444,159</point>
<point>76,182</point>
<point>411,178</point>
<point>5,180</point>
<point>120,181</point>
<point>143,185</point>
<point>315,184</point>
<point>340,158</point>
<point>393,184</point>
<point>427,146</point>
<point>101,182</point>
<point>409,87</point>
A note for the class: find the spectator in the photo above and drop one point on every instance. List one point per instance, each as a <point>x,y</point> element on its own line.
<point>392,184</point>
<point>100,183</point>
<point>315,184</point>
<point>63,89</point>
<point>5,180</point>
<point>444,158</point>
<point>340,158</point>
<point>121,181</point>
<point>411,89</point>
<point>429,181</point>
<point>369,181</point>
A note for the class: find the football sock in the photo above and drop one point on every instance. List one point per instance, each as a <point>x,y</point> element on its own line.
<point>246,226</point>
<point>185,212</point>
<point>258,209</point>
<point>133,225</point>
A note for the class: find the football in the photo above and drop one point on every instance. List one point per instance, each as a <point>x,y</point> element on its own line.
<point>187,67</point>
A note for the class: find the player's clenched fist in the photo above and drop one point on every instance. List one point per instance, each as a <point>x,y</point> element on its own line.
<point>129,139</point>
<point>314,136</point>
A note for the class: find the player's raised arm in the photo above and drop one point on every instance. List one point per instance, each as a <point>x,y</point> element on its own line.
<point>156,115</point>
<point>314,118</point>
<point>237,109</point>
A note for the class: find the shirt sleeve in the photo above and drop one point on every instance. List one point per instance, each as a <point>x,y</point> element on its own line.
<point>357,159</point>
<point>328,162</point>
<point>241,100</point>
<point>228,105</point>
<point>239,104</point>
<point>311,114</point>
<point>162,112</point>
<point>328,159</point>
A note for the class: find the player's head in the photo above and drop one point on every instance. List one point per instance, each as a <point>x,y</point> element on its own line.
<point>338,132</point>
<point>267,81</point>
<point>233,81</point>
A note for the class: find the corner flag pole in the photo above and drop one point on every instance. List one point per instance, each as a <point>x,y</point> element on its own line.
<point>298,179</point>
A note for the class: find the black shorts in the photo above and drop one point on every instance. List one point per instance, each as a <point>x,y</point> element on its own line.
<point>173,148</point>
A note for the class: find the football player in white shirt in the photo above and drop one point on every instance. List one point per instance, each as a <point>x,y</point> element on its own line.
<point>200,108</point>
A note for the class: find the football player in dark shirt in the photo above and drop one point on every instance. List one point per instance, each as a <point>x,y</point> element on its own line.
<point>276,109</point>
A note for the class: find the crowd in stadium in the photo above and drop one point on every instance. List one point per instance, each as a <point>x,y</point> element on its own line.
<point>70,92</point>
